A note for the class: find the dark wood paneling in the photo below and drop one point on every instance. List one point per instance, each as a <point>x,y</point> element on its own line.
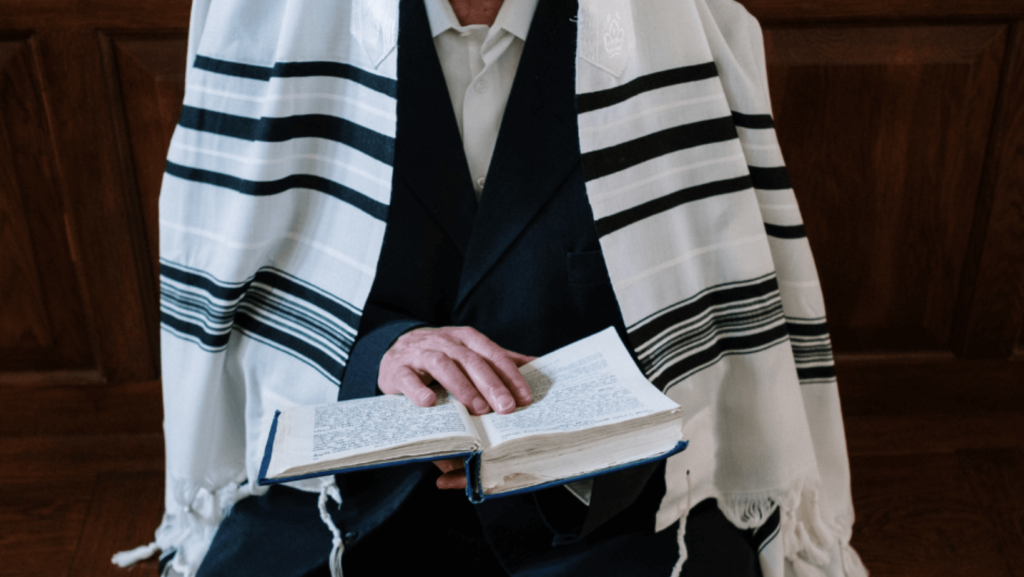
<point>151,87</point>
<point>816,11</point>
<point>124,510</point>
<point>78,457</point>
<point>107,220</point>
<point>91,14</point>
<point>917,517</point>
<point>884,130</point>
<point>42,520</point>
<point>990,312</point>
<point>931,407</point>
<point>48,409</point>
<point>993,477</point>
<point>43,327</point>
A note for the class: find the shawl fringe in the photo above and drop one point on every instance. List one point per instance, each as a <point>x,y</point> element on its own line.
<point>188,528</point>
<point>808,539</point>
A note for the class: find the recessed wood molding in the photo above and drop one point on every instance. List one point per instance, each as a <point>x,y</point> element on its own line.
<point>885,130</point>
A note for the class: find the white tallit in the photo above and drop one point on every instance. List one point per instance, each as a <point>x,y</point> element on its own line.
<point>274,207</point>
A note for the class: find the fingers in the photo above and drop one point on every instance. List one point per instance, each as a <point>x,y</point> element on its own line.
<point>454,474</point>
<point>504,363</point>
<point>449,465</point>
<point>490,385</point>
<point>452,480</point>
<point>512,379</point>
<point>411,385</point>
<point>475,370</point>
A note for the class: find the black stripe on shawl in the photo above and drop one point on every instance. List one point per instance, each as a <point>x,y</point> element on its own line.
<point>746,344</point>
<point>764,534</point>
<point>788,232</point>
<point>319,359</point>
<point>807,330</point>
<point>755,121</point>
<point>718,324</point>
<point>209,341</point>
<point>381,84</point>
<point>353,197</point>
<point>247,313</point>
<point>809,373</point>
<point>590,101</point>
<point>260,307</point>
<point>605,161</point>
<point>369,142</point>
<point>711,297</point>
<point>775,178</point>
<point>619,220</point>
<point>269,276</point>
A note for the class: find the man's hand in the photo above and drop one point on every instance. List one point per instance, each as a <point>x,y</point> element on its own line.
<point>475,370</point>
<point>454,474</point>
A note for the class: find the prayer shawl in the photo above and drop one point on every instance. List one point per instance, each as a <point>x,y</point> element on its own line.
<point>275,201</point>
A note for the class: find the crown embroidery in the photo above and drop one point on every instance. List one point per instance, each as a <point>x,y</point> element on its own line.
<point>614,36</point>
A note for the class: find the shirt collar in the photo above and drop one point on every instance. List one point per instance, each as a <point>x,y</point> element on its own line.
<point>515,16</point>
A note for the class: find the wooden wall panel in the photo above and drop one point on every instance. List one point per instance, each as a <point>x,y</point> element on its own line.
<point>107,232</point>
<point>900,119</point>
<point>991,308</point>
<point>43,327</point>
<point>151,87</point>
<point>818,11</point>
<point>885,130</point>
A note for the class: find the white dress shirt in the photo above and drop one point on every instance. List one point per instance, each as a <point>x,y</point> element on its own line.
<point>479,64</point>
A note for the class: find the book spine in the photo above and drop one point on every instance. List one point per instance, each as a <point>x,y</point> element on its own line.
<point>473,489</point>
<point>261,478</point>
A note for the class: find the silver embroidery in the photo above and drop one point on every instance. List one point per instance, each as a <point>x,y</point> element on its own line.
<point>606,35</point>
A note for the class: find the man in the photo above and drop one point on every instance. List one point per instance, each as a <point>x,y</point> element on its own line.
<point>491,254</point>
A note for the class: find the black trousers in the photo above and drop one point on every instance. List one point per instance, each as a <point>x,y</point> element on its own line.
<point>281,534</point>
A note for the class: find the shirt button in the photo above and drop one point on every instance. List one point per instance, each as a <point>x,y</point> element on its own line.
<point>480,86</point>
<point>480,183</point>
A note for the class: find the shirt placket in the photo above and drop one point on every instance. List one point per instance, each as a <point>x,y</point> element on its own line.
<point>482,104</point>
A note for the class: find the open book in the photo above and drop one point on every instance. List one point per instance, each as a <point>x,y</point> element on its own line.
<point>593,411</point>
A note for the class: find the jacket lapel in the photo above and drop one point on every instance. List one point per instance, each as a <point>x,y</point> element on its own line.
<point>538,143</point>
<point>429,156</point>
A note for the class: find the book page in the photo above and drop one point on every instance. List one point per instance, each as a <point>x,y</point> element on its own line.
<point>338,430</point>
<point>589,383</point>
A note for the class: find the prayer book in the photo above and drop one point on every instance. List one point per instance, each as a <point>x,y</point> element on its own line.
<point>593,412</point>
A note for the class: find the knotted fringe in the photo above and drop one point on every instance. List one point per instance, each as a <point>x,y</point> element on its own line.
<point>189,530</point>
<point>129,558</point>
<point>330,488</point>
<point>807,538</point>
<point>683,554</point>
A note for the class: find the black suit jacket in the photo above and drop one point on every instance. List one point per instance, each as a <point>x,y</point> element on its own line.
<point>524,268</point>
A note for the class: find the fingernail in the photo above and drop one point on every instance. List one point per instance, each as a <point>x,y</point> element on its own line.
<point>480,406</point>
<point>528,397</point>
<point>506,403</point>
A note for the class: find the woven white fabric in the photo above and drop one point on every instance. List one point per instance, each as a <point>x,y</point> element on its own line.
<point>274,208</point>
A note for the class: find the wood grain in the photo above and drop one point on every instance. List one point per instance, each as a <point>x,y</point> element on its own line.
<point>104,219</point>
<point>77,457</point>
<point>43,327</point>
<point>844,11</point>
<point>150,74</point>
<point>41,522</point>
<point>994,478</point>
<point>917,518</point>
<point>990,310</point>
<point>124,511</point>
<point>47,409</point>
<point>884,131</point>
